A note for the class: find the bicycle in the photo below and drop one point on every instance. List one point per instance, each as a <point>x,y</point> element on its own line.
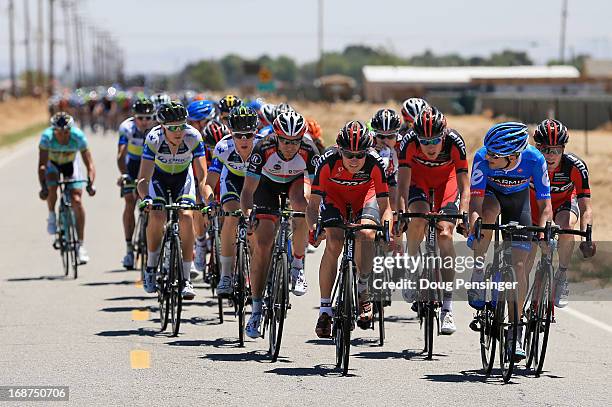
<point>345,295</point>
<point>276,297</point>
<point>169,269</point>
<point>430,300</point>
<point>66,240</point>
<point>382,297</point>
<point>139,236</point>
<point>499,319</point>
<point>212,274</point>
<point>539,305</point>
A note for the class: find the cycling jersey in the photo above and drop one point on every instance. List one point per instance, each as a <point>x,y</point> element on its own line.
<point>264,131</point>
<point>266,160</point>
<point>63,153</point>
<point>134,138</point>
<point>226,159</point>
<point>157,149</point>
<point>531,166</point>
<point>391,163</point>
<point>432,173</point>
<point>338,186</point>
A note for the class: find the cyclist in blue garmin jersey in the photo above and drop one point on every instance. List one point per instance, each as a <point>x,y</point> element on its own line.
<point>58,149</point>
<point>501,173</point>
<point>132,133</point>
<point>173,152</point>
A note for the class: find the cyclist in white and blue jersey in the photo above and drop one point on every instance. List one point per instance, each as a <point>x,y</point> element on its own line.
<point>230,159</point>
<point>132,133</point>
<point>59,147</point>
<point>172,153</point>
<point>501,173</point>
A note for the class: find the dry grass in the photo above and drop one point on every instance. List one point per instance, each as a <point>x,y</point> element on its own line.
<point>20,115</point>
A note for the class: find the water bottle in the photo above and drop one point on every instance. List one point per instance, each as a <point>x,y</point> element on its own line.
<point>470,241</point>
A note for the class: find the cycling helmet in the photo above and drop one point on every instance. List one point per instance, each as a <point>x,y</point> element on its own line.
<point>213,132</point>
<point>354,136</point>
<point>62,121</point>
<point>201,110</point>
<point>551,132</point>
<point>314,129</point>
<point>411,108</point>
<point>267,113</point>
<point>385,121</point>
<point>159,99</point>
<point>284,108</point>
<point>505,139</point>
<point>143,106</point>
<point>290,124</point>
<point>242,119</point>
<point>171,112</point>
<point>228,102</point>
<point>430,123</point>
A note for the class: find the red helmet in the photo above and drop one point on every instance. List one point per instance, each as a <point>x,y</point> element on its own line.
<point>551,132</point>
<point>430,123</point>
<point>354,136</point>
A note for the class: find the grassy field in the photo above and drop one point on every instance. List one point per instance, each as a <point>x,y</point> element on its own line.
<point>14,137</point>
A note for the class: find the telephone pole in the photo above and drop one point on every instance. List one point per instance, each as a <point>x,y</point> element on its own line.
<point>39,48</point>
<point>563,29</point>
<point>77,47</point>
<point>51,47</point>
<point>67,45</point>
<point>11,15</point>
<point>320,32</point>
<point>27,47</point>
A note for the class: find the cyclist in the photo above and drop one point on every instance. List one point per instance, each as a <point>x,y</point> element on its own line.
<point>170,149</point>
<point>227,103</point>
<point>229,163</point>
<point>267,114</point>
<point>200,113</point>
<point>433,156</point>
<point>277,165</point>
<point>385,126</point>
<point>570,197</point>
<point>316,134</point>
<point>349,173</point>
<point>501,173</point>
<point>410,111</point>
<point>58,148</point>
<point>132,133</point>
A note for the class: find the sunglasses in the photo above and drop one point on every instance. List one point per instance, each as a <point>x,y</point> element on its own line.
<point>246,135</point>
<point>430,141</point>
<point>496,156</point>
<point>290,142</point>
<point>549,150</point>
<point>143,117</point>
<point>349,155</point>
<point>176,127</point>
<point>382,136</point>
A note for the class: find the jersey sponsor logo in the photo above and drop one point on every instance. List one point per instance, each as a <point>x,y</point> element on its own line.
<point>256,158</point>
<point>555,189</point>
<point>277,167</point>
<point>431,163</point>
<point>315,161</point>
<point>579,164</point>
<point>349,182</point>
<point>509,182</point>
<point>477,175</point>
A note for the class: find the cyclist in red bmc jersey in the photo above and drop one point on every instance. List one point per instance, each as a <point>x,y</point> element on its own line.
<point>433,156</point>
<point>570,197</point>
<point>349,173</point>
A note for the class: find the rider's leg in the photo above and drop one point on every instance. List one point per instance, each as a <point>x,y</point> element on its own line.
<point>79,212</point>
<point>155,226</point>
<point>262,250</point>
<point>447,251</point>
<point>187,241</point>
<point>566,219</point>
<point>228,238</point>
<point>129,220</point>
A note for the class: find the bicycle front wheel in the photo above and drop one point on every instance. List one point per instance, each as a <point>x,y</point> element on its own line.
<point>539,319</point>
<point>176,284</point>
<point>507,318</point>
<point>73,243</point>
<point>240,294</point>
<point>348,316</point>
<point>488,334</point>
<point>278,304</point>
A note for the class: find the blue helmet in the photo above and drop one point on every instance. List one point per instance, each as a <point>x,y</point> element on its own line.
<point>507,138</point>
<point>200,110</point>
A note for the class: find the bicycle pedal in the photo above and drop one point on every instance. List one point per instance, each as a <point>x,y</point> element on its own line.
<point>289,306</point>
<point>475,325</point>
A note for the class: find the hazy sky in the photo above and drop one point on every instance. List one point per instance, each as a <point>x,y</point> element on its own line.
<point>162,36</point>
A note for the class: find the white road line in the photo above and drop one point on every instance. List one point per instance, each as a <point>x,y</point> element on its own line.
<point>587,319</point>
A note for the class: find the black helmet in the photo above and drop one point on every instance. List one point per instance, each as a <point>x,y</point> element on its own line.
<point>386,121</point>
<point>242,119</point>
<point>551,132</point>
<point>354,136</point>
<point>171,112</point>
<point>213,132</point>
<point>430,123</point>
<point>228,102</point>
<point>143,106</point>
<point>62,121</point>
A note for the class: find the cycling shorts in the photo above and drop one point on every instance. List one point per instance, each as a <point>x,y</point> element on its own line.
<point>70,171</point>
<point>231,187</point>
<point>515,207</point>
<point>332,215</point>
<point>181,187</point>
<point>446,197</point>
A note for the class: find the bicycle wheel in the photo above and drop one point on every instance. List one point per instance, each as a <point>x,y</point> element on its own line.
<point>348,311</point>
<point>73,243</point>
<point>338,312</point>
<point>239,299</point>
<point>176,284</point>
<point>507,317</point>
<point>486,319</point>
<point>62,239</point>
<point>536,336</point>
<point>215,276</point>
<point>379,312</point>
<point>428,331</point>
<point>278,304</point>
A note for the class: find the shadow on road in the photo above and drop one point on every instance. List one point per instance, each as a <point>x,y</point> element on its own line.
<point>464,376</point>
<point>216,343</point>
<point>130,332</point>
<point>121,271</point>
<point>317,370</point>
<point>396,319</point>
<point>193,321</point>
<point>407,354</point>
<point>252,356</point>
<point>128,309</point>
<point>135,298</point>
<point>40,278</point>
<point>105,283</point>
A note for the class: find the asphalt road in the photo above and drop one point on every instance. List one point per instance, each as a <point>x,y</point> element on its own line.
<point>99,335</point>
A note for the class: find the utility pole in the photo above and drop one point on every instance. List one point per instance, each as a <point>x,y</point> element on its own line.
<point>27,47</point>
<point>39,48</point>
<point>320,63</point>
<point>77,47</point>
<point>563,29</point>
<point>11,15</point>
<point>51,47</point>
<point>68,48</point>
<point>94,55</point>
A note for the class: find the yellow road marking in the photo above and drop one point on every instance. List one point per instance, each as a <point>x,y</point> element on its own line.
<point>138,283</point>
<point>140,359</point>
<point>140,314</point>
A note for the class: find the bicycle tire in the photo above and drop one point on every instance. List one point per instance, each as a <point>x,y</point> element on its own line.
<point>74,244</point>
<point>280,294</point>
<point>176,284</point>
<point>348,310</point>
<point>504,301</point>
<point>379,310</point>
<point>63,241</point>
<point>540,323</point>
<point>429,328</point>
<point>338,319</point>
<point>239,292</point>
<point>163,294</point>
<point>488,341</point>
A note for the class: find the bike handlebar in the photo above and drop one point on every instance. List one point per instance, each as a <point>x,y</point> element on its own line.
<point>436,216</point>
<point>549,230</point>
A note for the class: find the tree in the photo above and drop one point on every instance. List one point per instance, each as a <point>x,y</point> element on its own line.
<point>233,69</point>
<point>206,75</point>
<point>285,69</point>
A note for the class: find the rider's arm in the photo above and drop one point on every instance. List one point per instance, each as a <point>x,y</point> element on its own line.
<point>312,211</point>
<point>248,190</point>
<point>586,213</point>
<point>121,153</point>
<point>459,156</point>
<point>546,213</point>
<point>212,178</point>
<point>463,183</point>
<point>89,165</point>
<point>386,214</point>
<point>199,166</point>
<point>144,176</point>
<point>541,184</point>
<point>43,158</point>
<point>580,178</point>
<point>404,174</point>
<point>478,185</point>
